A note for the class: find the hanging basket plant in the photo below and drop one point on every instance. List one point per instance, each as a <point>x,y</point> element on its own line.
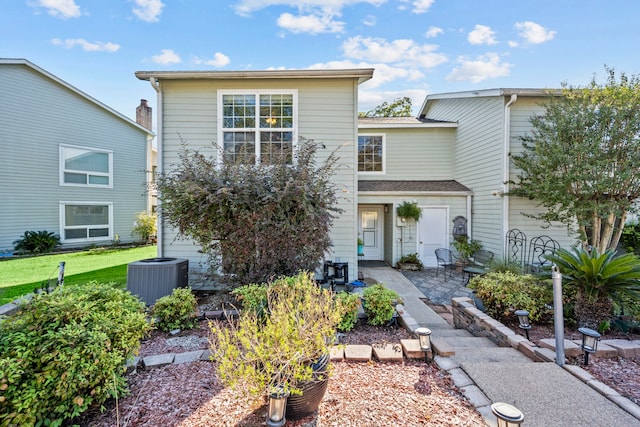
<point>409,210</point>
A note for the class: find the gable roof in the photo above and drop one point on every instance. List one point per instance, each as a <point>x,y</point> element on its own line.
<point>532,92</point>
<point>402,122</point>
<point>413,187</point>
<point>362,74</point>
<point>29,64</point>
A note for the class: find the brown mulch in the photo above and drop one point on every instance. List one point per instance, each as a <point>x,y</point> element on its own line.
<point>412,393</point>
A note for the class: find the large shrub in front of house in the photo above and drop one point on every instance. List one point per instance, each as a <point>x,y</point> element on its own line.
<point>258,220</point>
<point>65,351</point>
<point>504,292</point>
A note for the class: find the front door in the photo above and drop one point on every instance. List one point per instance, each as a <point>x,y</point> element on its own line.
<point>370,231</point>
<point>433,233</point>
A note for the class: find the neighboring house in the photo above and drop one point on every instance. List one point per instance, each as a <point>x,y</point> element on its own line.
<point>450,160</point>
<point>68,163</point>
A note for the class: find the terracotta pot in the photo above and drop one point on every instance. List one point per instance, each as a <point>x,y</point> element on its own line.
<point>305,404</point>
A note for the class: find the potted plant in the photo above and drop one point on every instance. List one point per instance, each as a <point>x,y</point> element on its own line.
<point>283,347</point>
<point>410,262</point>
<point>409,210</point>
<point>466,248</point>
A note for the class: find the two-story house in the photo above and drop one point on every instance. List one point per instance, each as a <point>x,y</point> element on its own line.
<point>452,160</point>
<point>68,163</point>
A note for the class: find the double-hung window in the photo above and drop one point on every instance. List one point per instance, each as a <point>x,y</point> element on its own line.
<point>257,126</point>
<point>88,167</point>
<point>86,221</point>
<point>371,153</point>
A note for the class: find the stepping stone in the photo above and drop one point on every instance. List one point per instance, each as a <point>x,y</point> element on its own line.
<point>571,349</point>
<point>357,353</point>
<point>213,314</point>
<point>187,357</point>
<point>336,353</point>
<point>411,349</point>
<point>158,360</point>
<point>388,352</point>
<point>441,347</point>
<point>604,351</point>
<point>625,348</point>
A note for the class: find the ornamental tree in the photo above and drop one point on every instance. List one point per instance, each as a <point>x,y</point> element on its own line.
<point>253,221</point>
<point>581,159</point>
<point>401,107</point>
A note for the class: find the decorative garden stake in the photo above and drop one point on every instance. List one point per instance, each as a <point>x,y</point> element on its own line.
<point>523,321</point>
<point>508,415</point>
<point>589,342</point>
<point>558,314</point>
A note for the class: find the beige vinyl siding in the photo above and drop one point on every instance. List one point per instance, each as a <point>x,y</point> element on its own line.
<point>326,113</point>
<point>38,114</point>
<point>521,112</point>
<point>478,159</point>
<point>415,154</point>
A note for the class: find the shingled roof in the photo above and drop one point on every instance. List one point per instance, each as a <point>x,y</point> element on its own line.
<point>448,186</point>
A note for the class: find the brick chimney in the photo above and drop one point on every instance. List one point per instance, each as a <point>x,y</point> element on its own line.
<point>143,114</point>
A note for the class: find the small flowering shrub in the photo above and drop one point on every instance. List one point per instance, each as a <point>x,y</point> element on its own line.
<point>176,311</point>
<point>380,304</point>
<point>65,351</point>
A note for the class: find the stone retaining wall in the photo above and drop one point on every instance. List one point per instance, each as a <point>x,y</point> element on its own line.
<point>467,316</point>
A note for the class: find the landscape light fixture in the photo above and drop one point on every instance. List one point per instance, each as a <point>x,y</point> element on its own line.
<point>508,415</point>
<point>277,407</point>
<point>523,321</point>
<point>424,336</point>
<point>589,342</point>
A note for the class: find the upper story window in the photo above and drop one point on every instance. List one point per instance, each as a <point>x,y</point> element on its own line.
<point>258,126</point>
<point>86,166</point>
<point>371,153</point>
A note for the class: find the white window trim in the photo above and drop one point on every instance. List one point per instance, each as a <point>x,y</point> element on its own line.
<point>257,93</point>
<point>88,239</point>
<point>96,150</point>
<point>384,154</point>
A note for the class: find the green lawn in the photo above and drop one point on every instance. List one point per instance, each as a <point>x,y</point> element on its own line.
<point>21,276</point>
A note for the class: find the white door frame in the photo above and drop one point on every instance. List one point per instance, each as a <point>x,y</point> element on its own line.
<point>426,249</point>
<point>373,238</point>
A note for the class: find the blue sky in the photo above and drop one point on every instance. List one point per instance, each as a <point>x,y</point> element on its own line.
<point>416,46</point>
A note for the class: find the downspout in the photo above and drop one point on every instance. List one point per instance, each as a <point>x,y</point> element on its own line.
<point>156,86</point>
<point>505,165</point>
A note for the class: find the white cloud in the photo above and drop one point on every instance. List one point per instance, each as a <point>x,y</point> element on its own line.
<point>334,7</point>
<point>534,33</point>
<point>148,10</point>
<point>422,6</point>
<point>64,9</point>
<point>403,52</point>
<point>482,35</point>
<point>312,24</point>
<point>370,20</point>
<point>481,68</point>
<point>383,73</point>
<point>433,32</point>
<point>218,60</point>
<point>87,46</point>
<point>167,57</point>
<point>513,43</point>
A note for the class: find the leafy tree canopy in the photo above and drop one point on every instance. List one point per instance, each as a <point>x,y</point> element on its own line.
<point>398,108</point>
<point>581,159</point>
<point>255,221</point>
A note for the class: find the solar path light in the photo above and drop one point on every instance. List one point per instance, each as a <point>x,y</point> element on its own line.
<point>523,321</point>
<point>424,336</point>
<point>508,415</point>
<point>589,342</point>
<point>277,408</point>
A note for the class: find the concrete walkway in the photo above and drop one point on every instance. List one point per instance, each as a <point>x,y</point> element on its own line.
<point>547,394</point>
